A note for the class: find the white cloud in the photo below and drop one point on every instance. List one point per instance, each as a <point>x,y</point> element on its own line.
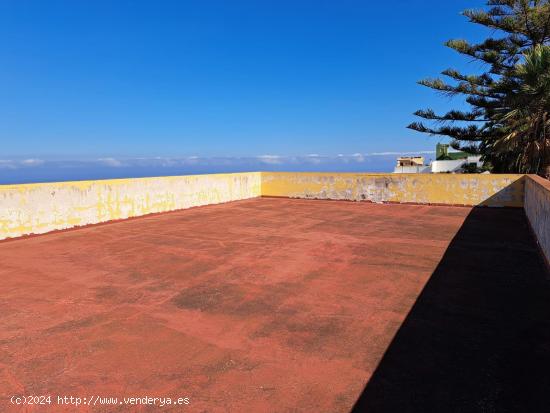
<point>313,158</point>
<point>167,162</point>
<point>271,159</point>
<point>359,157</point>
<point>115,163</point>
<point>401,153</point>
<point>32,162</point>
<point>15,164</point>
<point>7,164</point>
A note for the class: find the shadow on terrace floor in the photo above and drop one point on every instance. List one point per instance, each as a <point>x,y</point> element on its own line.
<point>478,337</point>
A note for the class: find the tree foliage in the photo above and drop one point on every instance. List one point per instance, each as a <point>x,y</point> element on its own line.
<point>525,124</point>
<point>508,102</point>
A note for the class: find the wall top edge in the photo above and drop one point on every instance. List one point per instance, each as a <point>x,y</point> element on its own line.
<point>537,178</point>
<point>482,176</point>
<point>119,180</point>
<point>540,180</point>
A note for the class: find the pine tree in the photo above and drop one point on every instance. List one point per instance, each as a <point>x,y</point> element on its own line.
<point>523,25</point>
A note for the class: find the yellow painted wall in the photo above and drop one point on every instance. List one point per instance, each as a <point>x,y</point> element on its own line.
<point>452,189</point>
<point>39,208</point>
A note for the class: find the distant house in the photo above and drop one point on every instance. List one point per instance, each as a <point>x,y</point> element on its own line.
<point>453,161</point>
<point>411,165</point>
<point>446,162</point>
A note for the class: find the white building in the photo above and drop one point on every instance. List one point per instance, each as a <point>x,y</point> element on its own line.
<point>455,165</point>
<point>446,162</point>
<point>411,165</point>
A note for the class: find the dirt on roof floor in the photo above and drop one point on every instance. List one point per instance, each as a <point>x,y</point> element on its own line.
<point>282,305</point>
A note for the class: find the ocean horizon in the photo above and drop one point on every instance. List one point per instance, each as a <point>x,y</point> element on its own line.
<point>35,170</point>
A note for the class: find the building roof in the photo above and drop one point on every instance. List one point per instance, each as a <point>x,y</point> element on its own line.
<point>273,304</point>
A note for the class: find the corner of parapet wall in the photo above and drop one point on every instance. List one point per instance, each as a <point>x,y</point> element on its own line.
<point>537,210</point>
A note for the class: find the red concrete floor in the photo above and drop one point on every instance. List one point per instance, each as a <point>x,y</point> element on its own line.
<point>271,305</point>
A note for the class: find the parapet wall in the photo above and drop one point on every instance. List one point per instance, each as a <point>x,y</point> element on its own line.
<point>446,189</point>
<point>537,209</point>
<point>39,208</point>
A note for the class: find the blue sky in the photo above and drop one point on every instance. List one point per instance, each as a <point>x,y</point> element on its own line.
<point>112,81</point>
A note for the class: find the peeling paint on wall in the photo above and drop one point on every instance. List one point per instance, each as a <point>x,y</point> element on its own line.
<point>451,189</point>
<point>39,208</point>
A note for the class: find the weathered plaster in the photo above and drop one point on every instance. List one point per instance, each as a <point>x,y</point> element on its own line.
<point>39,208</point>
<point>452,189</point>
<point>537,209</point>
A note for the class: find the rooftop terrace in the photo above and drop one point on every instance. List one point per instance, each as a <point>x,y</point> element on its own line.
<point>277,304</point>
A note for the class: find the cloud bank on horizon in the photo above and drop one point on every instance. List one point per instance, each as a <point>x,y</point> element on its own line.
<point>43,170</point>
